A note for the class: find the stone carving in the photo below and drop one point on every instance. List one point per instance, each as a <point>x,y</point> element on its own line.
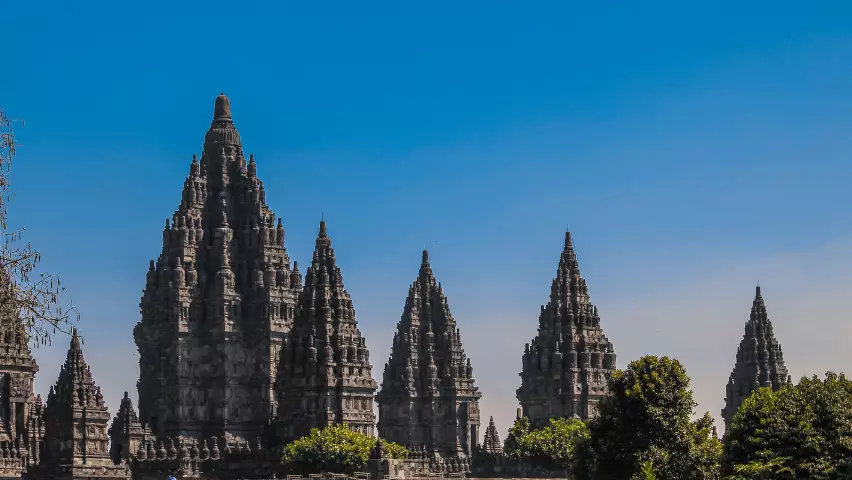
<point>444,401</point>
<point>324,361</point>
<point>760,361</point>
<point>491,443</point>
<point>222,266</point>
<point>554,382</point>
<point>75,425</point>
<point>21,425</point>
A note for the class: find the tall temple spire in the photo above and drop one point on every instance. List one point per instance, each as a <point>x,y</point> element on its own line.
<point>759,360</point>
<point>21,422</point>
<point>429,396</point>
<point>492,444</point>
<point>76,420</point>
<point>222,283</point>
<point>324,374</point>
<point>126,432</point>
<point>570,354</point>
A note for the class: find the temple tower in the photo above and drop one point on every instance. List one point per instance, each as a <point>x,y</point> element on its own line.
<point>76,417</point>
<point>126,433</point>
<point>21,426</point>
<point>428,394</point>
<point>566,366</point>
<point>760,362</point>
<point>492,444</point>
<point>217,302</point>
<point>325,377</point>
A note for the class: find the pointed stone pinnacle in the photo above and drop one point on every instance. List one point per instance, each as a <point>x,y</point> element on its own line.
<point>222,109</point>
<point>759,361</point>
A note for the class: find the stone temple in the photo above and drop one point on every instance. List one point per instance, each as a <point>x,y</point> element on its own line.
<point>429,398</point>
<point>325,377</point>
<point>567,365</point>
<point>760,362</point>
<point>238,357</point>
<point>218,301</point>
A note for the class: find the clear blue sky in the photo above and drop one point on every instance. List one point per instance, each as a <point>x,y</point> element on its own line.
<point>674,138</point>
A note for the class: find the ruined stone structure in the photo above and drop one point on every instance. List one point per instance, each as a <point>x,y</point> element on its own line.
<point>75,426</point>
<point>491,443</point>
<point>21,421</point>
<point>237,358</point>
<point>218,301</point>
<point>127,433</point>
<point>566,367</point>
<point>760,362</point>
<point>428,394</point>
<point>325,376</point>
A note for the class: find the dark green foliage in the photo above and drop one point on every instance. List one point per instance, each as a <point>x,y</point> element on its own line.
<point>553,446</point>
<point>802,431</point>
<point>512,444</point>
<point>335,449</point>
<point>644,427</point>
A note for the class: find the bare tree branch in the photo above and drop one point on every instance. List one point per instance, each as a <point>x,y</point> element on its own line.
<point>29,300</point>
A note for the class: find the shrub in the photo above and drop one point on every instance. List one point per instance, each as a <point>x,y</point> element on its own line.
<point>336,449</point>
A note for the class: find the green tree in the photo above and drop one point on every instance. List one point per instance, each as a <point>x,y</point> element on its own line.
<point>29,299</point>
<point>554,445</point>
<point>647,419</point>
<point>336,449</point>
<point>801,431</point>
<point>646,472</point>
<point>512,444</point>
<point>774,468</point>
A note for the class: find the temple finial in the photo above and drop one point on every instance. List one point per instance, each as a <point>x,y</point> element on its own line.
<point>222,109</point>
<point>322,228</point>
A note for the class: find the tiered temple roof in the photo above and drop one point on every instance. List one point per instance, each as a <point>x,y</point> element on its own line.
<point>566,366</point>
<point>760,361</point>
<point>75,427</point>
<point>218,301</point>
<point>325,376</point>
<point>429,396</point>
<point>492,444</point>
<point>21,427</point>
<point>126,432</point>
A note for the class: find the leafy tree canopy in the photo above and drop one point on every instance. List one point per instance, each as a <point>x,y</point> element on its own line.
<point>512,444</point>
<point>552,446</point>
<point>336,449</point>
<point>801,431</point>
<point>645,427</point>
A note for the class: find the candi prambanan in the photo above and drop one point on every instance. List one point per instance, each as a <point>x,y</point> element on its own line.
<point>238,355</point>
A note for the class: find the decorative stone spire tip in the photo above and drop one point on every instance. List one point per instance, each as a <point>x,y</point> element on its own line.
<point>222,109</point>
